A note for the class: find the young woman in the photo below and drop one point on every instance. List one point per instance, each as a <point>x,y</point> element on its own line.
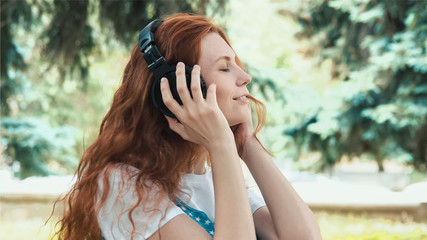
<point>150,176</point>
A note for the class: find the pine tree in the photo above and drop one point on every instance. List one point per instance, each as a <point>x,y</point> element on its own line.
<point>379,55</point>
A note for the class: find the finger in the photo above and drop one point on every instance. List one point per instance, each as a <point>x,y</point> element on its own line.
<point>195,83</point>
<point>167,97</point>
<point>181,84</point>
<point>176,126</point>
<point>211,94</point>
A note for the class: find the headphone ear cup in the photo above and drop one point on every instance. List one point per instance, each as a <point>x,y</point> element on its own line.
<point>188,71</point>
<point>171,76</point>
<point>156,96</point>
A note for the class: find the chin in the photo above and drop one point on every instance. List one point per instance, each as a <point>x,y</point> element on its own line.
<point>238,118</point>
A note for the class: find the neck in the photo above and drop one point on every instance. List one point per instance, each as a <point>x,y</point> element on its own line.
<point>199,166</point>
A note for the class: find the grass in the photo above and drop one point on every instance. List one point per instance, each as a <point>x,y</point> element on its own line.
<point>351,226</point>
<point>25,229</point>
<point>334,226</point>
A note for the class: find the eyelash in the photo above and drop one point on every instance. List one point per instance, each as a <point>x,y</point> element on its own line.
<point>225,69</point>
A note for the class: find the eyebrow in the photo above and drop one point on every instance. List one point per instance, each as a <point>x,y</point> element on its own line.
<point>227,58</point>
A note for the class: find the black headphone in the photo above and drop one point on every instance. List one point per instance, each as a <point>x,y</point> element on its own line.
<point>158,65</point>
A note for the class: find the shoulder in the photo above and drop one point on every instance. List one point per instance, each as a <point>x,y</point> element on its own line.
<point>125,183</point>
<point>119,172</point>
<point>125,206</point>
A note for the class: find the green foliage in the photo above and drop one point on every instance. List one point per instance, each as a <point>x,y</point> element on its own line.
<point>69,38</point>
<point>51,84</point>
<point>378,51</point>
<point>17,12</point>
<point>32,145</point>
<point>126,19</point>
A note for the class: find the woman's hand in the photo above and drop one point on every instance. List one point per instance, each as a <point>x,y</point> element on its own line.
<point>199,120</point>
<point>244,131</point>
<point>244,134</point>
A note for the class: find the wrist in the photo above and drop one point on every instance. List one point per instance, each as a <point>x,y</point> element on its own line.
<point>224,153</point>
<point>221,143</point>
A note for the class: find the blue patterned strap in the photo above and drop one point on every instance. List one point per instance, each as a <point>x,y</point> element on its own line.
<point>199,216</point>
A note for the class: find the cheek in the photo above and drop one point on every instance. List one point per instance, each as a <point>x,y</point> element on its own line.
<point>222,100</point>
<point>209,80</point>
<point>223,95</point>
<point>225,103</point>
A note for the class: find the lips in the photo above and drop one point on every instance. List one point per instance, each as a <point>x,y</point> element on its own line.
<point>243,95</point>
<point>242,99</point>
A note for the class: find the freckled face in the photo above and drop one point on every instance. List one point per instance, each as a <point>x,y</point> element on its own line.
<point>218,65</point>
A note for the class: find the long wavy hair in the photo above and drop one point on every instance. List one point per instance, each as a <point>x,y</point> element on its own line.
<point>134,133</point>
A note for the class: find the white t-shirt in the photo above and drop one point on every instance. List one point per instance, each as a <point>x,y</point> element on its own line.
<point>113,218</point>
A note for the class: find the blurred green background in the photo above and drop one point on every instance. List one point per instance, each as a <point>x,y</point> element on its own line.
<point>344,82</point>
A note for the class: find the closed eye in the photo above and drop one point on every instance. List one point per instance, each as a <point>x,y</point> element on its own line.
<point>225,69</point>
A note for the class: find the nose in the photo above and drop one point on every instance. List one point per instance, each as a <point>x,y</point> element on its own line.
<point>244,78</point>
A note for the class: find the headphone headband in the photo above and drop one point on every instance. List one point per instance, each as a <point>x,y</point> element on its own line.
<point>160,68</point>
<point>146,36</point>
<point>146,45</point>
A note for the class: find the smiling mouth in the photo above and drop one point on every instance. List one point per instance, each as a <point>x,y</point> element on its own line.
<point>240,98</point>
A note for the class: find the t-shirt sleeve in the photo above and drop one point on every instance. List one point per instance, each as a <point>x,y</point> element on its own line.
<point>113,217</point>
<point>255,200</point>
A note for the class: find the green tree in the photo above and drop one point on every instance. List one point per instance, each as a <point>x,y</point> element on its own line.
<point>48,46</point>
<point>378,51</point>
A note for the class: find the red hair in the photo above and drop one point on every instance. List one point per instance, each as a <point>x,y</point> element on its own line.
<point>135,133</point>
